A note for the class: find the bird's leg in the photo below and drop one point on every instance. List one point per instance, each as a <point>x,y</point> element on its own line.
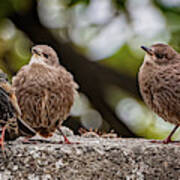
<point>2,139</point>
<point>27,140</point>
<point>168,139</point>
<point>66,140</point>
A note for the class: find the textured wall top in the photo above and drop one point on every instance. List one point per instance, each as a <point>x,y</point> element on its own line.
<point>92,158</point>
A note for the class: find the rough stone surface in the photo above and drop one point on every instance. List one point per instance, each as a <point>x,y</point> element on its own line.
<point>91,159</point>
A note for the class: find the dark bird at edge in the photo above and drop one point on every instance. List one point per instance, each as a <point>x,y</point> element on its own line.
<point>11,124</point>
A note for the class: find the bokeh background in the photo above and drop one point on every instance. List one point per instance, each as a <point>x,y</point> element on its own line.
<point>98,41</point>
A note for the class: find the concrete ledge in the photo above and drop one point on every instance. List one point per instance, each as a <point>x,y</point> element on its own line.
<point>93,158</point>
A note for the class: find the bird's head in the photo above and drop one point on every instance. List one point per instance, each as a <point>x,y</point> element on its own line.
<point>44,54</point>
<point>160,53</point>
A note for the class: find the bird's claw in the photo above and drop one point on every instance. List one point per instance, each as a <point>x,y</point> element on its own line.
<point>165,141</point>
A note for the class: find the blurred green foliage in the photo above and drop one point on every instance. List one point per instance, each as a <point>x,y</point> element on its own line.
<point>74,2</point>
<point>124,56</point>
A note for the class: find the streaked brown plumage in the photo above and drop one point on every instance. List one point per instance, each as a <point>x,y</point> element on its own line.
<point>9,109</point>
<point>45,91</point>
<point>159,81</point>
<point>10,115</point>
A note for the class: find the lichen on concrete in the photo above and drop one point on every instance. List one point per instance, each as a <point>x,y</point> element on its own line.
<point>91,158</point>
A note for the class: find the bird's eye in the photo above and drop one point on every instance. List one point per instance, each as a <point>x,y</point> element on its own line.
<point>160,56</point>
<point>45,55</point>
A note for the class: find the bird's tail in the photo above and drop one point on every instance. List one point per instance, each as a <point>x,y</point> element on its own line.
<point>25,129</point>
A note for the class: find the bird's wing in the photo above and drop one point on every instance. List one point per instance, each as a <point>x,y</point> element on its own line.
<point>166,92</point>
<point>63,75</point>
<point>25,129</point>
<point>19,79</point>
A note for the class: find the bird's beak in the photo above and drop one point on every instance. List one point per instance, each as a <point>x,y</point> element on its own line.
<point>148,50</point>
<point>34,51</point>
<point>36,56</point>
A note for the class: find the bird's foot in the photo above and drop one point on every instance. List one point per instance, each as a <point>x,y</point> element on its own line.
<point>28,141</point>
<point>168,139</point>
<point>66,140</point>
<point>165,141</point>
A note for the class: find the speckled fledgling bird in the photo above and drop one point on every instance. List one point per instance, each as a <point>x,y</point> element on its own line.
<point>45,91</point>
<point>159,81</point>
<point>12,126</point>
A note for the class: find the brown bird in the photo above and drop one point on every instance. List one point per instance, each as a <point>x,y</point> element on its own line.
<point>45,91</point>
<point>12,126</point>
<point>159,81</point>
